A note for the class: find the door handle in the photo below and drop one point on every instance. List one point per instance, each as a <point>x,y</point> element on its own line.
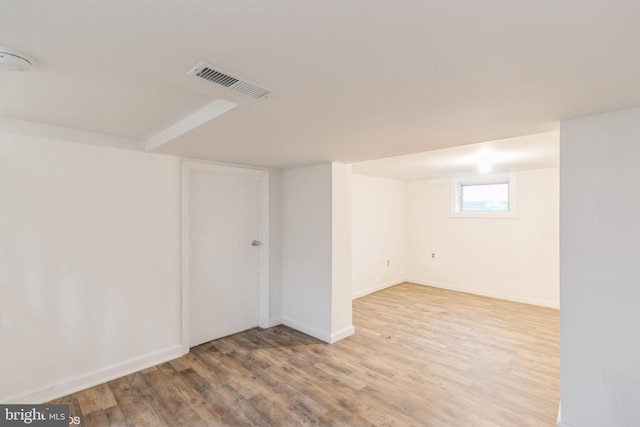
<point>255,243</point>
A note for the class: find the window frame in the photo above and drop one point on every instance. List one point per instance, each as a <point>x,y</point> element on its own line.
<point>455,195</point>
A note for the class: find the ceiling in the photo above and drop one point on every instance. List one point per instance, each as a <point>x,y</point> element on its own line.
<point>527,152</point>
<point>353,80</point>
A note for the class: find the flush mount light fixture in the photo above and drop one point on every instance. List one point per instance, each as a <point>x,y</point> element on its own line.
<point>11,60</point>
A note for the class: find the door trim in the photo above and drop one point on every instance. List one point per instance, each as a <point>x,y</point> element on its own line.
<point>189,166</point>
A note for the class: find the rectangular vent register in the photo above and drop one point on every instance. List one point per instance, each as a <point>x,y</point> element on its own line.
<point>224,78</point>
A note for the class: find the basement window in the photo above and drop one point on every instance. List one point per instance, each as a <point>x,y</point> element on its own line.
<point>490,196</point>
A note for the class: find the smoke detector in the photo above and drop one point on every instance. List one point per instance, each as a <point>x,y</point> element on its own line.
<point>11,60</point>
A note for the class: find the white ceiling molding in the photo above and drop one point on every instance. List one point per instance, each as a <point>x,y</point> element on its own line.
<point>44,131</point>
<point>197,119</point>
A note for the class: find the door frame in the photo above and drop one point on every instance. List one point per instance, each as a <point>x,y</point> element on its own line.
<point>189,166</point>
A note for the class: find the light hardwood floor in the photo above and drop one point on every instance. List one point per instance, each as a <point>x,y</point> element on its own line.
<point>420,356</point>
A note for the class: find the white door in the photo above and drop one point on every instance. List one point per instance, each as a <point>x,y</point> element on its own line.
<point>222,255</point>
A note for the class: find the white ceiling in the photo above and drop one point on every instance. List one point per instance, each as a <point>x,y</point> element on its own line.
<point>528,152</point>
<point>354,80</point>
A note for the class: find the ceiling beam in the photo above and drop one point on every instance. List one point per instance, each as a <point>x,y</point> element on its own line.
<point>197,119</point>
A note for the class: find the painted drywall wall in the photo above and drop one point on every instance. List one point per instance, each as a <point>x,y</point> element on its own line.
<point>306,249</point>
<point>341,275</point>
<point>275,247</point>
<point>378,233</point>
<point>316,284</point>
<point>600,278</point>
<point>89,263</point>
<point>515,259</point>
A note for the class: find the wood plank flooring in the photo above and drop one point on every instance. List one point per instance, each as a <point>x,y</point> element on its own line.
<point>421,356</point>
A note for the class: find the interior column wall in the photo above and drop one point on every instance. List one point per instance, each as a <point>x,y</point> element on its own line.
<point>317,250</point>
<point>599,282</point>
<point>306,275</point>
<point>341,307</point>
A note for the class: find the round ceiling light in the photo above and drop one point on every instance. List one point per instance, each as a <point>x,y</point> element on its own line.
<point>13,61</point>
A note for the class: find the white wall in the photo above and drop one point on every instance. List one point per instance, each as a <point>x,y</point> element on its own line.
<point>275,247</point>
<point>515,259</point>
<point>600,277</point>
<point>90,262</point>
<point>313,208</point>
<point>378,233</point>
<point>306,249</point>
<point>341,313</point>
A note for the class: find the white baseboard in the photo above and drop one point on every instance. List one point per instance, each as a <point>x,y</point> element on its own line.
<point>275,322</point>
<point>376,289</point>
<point>342,333</point>
<point>306,329</point>
<point>316,333</point>
<point>99,376</point>
<point>541,303</point>
<point>560,423</point>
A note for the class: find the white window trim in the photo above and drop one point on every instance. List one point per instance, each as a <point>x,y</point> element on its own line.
<point>455,195</point>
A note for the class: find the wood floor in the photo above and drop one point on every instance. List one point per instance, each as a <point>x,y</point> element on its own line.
<point>420,356</point>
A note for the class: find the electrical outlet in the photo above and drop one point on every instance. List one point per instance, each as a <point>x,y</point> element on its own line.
<point>433,255</point>
<point>388,263</point>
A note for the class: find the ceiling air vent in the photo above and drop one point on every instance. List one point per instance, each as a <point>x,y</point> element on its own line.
<point>228,80</point>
